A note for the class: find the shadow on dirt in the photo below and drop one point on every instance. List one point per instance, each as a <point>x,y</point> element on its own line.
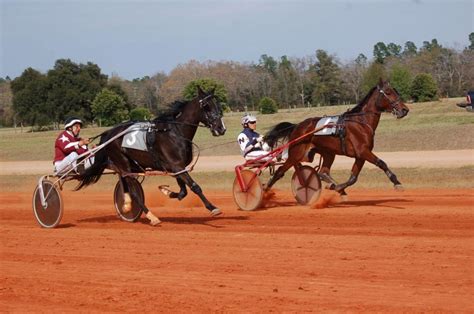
<point>64,226</point>
<point>200,220</point>
<point>176,220</point>
<point>376,203</point>
<point>101,219</point>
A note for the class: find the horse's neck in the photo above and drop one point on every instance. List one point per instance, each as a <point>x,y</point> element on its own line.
<point>188,121</point>
<point>372,115</point>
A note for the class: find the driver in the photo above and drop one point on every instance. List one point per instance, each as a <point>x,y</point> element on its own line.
<point>251,143</point>
<point>69,146</point>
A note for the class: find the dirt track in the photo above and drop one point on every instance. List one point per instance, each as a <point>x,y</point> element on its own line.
<point>380,251</point>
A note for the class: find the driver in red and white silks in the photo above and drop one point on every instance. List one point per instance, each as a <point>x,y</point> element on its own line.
<point>69,146</point>
<point>251,143</point>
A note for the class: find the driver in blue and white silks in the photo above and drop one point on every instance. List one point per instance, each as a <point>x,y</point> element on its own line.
<point>251,143</point>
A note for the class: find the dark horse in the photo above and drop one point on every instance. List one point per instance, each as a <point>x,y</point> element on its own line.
<point>354,138</point>
<point>170,149</point>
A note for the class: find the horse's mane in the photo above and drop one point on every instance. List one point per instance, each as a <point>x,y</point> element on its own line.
<point>171,113</point>
<point>361,104</point>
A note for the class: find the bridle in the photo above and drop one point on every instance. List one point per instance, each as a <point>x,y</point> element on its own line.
<point>392,103</point>
<point>210,116</point>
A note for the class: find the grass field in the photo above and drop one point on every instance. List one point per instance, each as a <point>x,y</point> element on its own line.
<point>436,125</point>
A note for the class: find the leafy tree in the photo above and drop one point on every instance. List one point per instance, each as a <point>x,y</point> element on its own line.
<point>267,106</point>
<point>30,98</point>
<point>400,78</point>
<point>109,108</point>
<point>140,114</point>
<point>207,85</point>
<point>409,49</point>
<point>380,52</point>
<point>430,46</point>
<point>286,81</point>
<point>326,81</point>
<point>268,63</point>
<point>471,39</point>
<point>72,87</point>
<point>117,89</point>
<point>6,104</point>
<point>394,49</point>
<point>361,60</point>
<point>372,76</point>
<point>423,88</point>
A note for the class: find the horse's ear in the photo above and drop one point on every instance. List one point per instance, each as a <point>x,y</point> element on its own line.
<point>381,83</point>
<point>200,91</point>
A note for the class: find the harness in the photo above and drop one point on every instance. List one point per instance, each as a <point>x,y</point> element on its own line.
<point>349,117</point>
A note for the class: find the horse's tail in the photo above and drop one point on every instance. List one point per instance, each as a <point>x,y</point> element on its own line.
<point>94,172</point>
<point>281,131</point>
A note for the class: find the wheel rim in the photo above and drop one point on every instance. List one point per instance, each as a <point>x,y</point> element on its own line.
<point>252,198</point>
<point>135,213</point>
<point>308,190</point>
<point>49,216</point>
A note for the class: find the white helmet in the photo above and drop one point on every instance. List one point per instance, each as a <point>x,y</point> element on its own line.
<point>248,118</point>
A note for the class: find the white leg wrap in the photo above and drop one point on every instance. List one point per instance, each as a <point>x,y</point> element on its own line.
<point>153,219</point>
<point>127,203</point>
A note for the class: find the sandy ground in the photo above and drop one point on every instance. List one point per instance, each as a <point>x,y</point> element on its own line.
<point>381,251</point>
<point>427,159</point>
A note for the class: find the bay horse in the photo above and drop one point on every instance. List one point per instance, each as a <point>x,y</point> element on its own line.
<point>170,150</point>
<point>355,138</point>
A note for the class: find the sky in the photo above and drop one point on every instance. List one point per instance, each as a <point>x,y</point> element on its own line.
<point>133,39</point>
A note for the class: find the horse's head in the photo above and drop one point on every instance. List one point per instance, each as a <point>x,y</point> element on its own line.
<point>388,100</point>
<point>211,112</point>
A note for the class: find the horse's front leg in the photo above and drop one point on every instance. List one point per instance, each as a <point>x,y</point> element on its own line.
<point>132,196</point>
<point>356,168</point>
<point>382,165</point>
<point>186,178</point>
<point>373,159</point>
<point>279,173</point>
<point>296,154</point>
<point>182,192</point>
<point>324,172</point>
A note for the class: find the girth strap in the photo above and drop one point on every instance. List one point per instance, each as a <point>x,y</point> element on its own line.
<point>341,132</point>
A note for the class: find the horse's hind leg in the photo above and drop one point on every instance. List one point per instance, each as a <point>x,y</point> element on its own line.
<point>356,168</point>
<point>186,178</point>
<point>132,196</point>
<point>324,173</point>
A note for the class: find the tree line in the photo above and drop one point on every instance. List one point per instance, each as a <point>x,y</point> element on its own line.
<point>321,79</point>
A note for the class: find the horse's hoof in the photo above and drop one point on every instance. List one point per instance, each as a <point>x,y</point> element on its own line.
<point>126,208</point>
<point>155,222</point>
<point>399,187</point>
<point>165,189</point>
<point>215,212</point>
<point>153,219</point>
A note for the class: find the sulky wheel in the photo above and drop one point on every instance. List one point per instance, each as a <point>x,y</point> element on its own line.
<point>49,215</point>
<point>305,185</point>
<point>134,187</point>
<point>252,197</point>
